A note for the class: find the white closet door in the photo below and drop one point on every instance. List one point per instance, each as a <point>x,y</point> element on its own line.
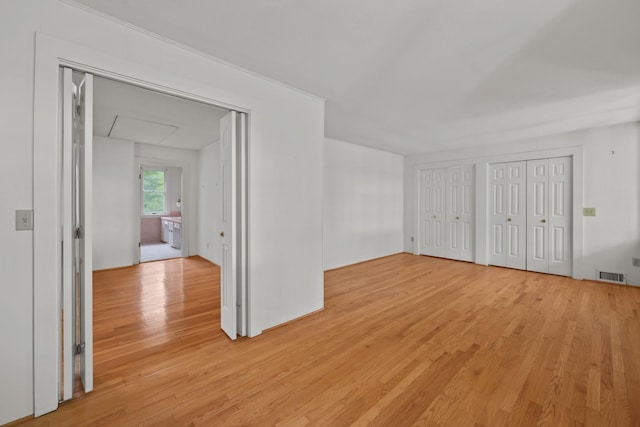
<point>432,198</point>
<point>560,213</point>
<point>447,198</point>
<point>516,215</point>
<point>84,254</point>
<point>229,238</point>
<point>538,215</point>
<point>549,216</point>
<point>459,214</point>
<point>507,215</point>
<point>466,223</point>
<point>439,202</point>
<point>497,214</point>
<point>427,213</point>
<point>453,211</point>
<point>77,267</point>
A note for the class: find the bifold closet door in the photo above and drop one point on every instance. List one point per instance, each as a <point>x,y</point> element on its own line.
<point>549,216</point>
<point>432,197</point>
<point>77,266</point>
<point>459,227</point>
<point>507,215</point>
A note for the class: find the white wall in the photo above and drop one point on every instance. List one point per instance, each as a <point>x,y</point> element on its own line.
<point>363,203</point>
<point>114,215</point>
<point>611,184</point>
<point>286,130</point>
<point>209,195</point>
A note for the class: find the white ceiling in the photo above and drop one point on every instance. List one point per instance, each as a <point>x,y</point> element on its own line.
<point>412,76</point>
<point>127,112</point>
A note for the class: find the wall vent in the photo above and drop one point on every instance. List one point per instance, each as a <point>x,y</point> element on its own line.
<point>606,276</point>
<point>635,262</point>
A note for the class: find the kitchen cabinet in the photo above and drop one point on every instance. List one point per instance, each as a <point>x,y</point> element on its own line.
<point>177,235</point>
<point>164,233</point>
<point>172,230</point>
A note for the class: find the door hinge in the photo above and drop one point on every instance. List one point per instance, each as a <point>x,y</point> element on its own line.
<point>77,233</point>
<point>79,348</point>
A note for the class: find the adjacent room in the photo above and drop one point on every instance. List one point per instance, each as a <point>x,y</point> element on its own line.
<point>149,149</point>
<point>161,216</point>
<point>320,213</point>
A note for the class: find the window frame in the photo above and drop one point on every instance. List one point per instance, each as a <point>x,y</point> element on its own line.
<point>164,212</point>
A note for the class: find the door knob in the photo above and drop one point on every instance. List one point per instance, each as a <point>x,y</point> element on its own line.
<point>222,234</point>
<point>509,219</point>
<point>457,217</point>
<point>434,216</point>
<point>543,220</point>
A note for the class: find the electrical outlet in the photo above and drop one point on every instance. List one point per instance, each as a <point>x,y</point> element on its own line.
<point>589,211</point>
<point>635,262</point>
<point>412,238</point>
<point>24,220</point>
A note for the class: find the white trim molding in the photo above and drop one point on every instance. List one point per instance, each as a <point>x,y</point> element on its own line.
<point>50,55</point>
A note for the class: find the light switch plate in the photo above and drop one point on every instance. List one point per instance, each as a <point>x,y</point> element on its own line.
<point>588,211</point>
<point>24,220</point>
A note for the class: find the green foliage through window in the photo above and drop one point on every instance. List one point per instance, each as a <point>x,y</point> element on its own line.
<point>153,191</point>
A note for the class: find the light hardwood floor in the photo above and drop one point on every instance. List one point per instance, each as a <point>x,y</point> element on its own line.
<point>403,340</point>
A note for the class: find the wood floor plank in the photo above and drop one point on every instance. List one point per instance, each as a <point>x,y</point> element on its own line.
<point>403,340</point>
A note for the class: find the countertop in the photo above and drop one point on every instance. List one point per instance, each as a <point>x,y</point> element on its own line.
<point>177,219</point>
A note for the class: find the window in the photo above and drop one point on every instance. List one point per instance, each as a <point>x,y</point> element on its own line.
<point>154,191</point>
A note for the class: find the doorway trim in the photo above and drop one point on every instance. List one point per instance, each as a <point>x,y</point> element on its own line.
<point>50,55</point>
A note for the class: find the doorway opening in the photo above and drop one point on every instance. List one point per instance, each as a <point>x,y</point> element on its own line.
<point>161,220</point>
<point>146,133</point>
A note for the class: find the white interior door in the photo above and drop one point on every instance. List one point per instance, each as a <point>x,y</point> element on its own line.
<point>549,195</point>
<point>453,211</point>
<point>68,238</point>
<point>560,214</point>
<point>432,212</point>
<point>538,215</point>
<point>228,290</point>
<point>497,214</point>
<point>516,215</point>
<point>530,215</point>
<point>427,214</point>
<point>242,300</point>
<point>459,213</point>
<point>466,223</point>
<point>507,214</point>
<point>439,212</point>
<point>77,283</point>
<point>84,254</point>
